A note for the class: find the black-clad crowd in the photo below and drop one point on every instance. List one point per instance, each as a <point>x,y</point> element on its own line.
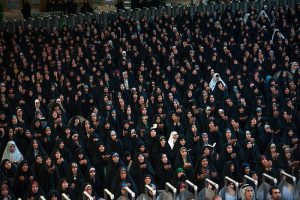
<point>68,7</point>
<point>148,102</point>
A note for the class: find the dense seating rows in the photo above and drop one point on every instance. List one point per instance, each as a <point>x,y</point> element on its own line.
<point>143,103</point>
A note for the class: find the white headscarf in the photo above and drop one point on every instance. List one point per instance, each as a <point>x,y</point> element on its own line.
<point>243,191</point>
<point>171,140</point>
<point>16,156</point>
<point>214,81</point>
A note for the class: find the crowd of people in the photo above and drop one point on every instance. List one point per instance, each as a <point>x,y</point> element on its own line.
<point>148,102</point>
<point>68,7</point>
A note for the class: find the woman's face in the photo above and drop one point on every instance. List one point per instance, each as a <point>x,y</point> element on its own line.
<point>247,170</point>
<point>175,136</point>
<point>4,191</point>
<point>211,98</point>
<point>35,144</point>
<point>287,154</point>
<point>37,123</point>
<point>7,164</point>
<point>92,172</point>
<point>142,148</point>
<point>158,120</point>
<point>182,142</point>
<point>89,189</point>
<point>253,121</point>
<point>11,132</point>
<point>141,158</point>
<point>159,98</point>
<point>35,187</point>
<point>25,167</point>
<point>54,115</point>
<point>57,154</point>
<point>74,170</point>
<point>204,163</point>
<point>228,134</point>
<point>254,176</point>
<point>14,120</point>
<point>147,180</point>
<point>128,111</point>
<point>61,145</point>
<point>101,148</point>
<point>87,124</point>
<point>164,158</point>
<point>264,162</point>
<point>211,124</point>
<point>248,135</point>
<point>12,148</point>
<point>163,143</point>
<point>273,148</point>
<point>220,86</point>
<point>77,121</point>
<point>113,136</point>
<point>48,161</point>
<point>229,149</point>
<point>80,155</point>
<point>53,197</point>
<point>183,153</point>
<point>291,133</point>
<point>249,145</point>
<point>232,168</point>
<point>64,185</point>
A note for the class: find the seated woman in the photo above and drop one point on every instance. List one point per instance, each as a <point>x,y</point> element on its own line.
<point>34,191</point>
<point>89,191</point>
<point>12,153</point>
<point>6,193</point>
<point>9,172</point>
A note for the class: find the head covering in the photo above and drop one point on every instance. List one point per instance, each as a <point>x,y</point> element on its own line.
<point>171,141</point>
<point>245,165</point>
<point>162,138</point>
<point>16,156</point>
<point>182,149</point>
<point>208,108</point>
<point>180,170</point>
<point>243,190</point>
<point>92,169</point>
<point>215,79</point>
<point>220,111</point>
<point>115,154</point>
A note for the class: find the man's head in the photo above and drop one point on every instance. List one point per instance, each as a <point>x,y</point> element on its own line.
<point>217,197</point>
<point>247,192</point>
<point>275,193</point>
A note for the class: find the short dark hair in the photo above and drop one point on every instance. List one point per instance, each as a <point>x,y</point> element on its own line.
<point>273,188</point>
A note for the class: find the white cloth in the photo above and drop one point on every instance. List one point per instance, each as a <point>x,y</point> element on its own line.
<point>171,140</point>
<point>214,80</point>
<point>16,156</point>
